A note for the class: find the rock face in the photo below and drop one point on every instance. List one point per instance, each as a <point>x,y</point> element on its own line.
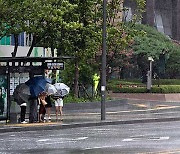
<point>162,14</point>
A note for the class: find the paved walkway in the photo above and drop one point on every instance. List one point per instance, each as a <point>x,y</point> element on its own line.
<point>147,96</point>
<point>122,111</point>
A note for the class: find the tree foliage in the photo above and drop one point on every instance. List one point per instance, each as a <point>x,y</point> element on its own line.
<point>121,36</point>
<point>81,42</point>
<point>153,43</point>
<point>43,19</point>
<point>11,19</point>
<point>74,27</point>
<point>173,63</point>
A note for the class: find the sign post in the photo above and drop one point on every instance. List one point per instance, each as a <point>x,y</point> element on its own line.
<point>149,75</point>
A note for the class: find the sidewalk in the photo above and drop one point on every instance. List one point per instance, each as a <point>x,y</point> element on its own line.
<point>122,111</point>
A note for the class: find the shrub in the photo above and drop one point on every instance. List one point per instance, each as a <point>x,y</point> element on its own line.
<point>155,89</point>
<point>129,90</point>
<point>166,82</point>
<point>166,89</point>
<point>72,99</point>
<point>135,86</point>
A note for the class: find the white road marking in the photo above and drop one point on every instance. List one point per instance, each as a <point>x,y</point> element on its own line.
<point>101,147</point>
<point>60,140</point>
<point>164,138</point>
<point>12,135</point>
<point>127,140</point>
<point>146,138</point>
<point>81,138</point>
<point>43,140</point>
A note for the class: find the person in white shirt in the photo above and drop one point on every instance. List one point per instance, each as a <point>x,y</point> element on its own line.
<point>59,106</point>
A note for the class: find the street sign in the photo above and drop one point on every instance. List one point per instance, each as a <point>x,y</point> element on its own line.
<point>54,65</point>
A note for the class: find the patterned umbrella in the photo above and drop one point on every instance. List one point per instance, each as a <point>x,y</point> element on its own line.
<point>50,89</point>
<point>62,89</point>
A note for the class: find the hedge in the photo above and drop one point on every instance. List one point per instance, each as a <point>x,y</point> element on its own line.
<point>166,82</point>
<point>155,89</point>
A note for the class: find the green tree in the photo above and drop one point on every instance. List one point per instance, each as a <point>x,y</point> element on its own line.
<point>120,36</point>
<point>81,42</point>
<point>42,19</point>
<point>85,43</point>
<point>173,63</point>
<point>74,27</point>
<point>11,19</point>
<point>45,19</point>
<point>154,44</point>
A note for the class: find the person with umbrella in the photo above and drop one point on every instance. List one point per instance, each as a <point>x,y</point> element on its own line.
<point>59,105</point>
<point>42,102</point>
<point>62,90</point>
<point>37,85</point>
<point>23,113</point>
<point>50,90</point>
<point>21,96</point>
<point>48,107</point>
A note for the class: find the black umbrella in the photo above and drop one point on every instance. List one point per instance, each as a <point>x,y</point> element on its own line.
<point>21,93</point>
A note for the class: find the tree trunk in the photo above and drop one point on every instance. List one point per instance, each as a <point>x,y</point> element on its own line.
<point>15,45</point>
<point>32,46</point>
<point>53,71</point>
<point>76,79</point>
<point>52,51</point>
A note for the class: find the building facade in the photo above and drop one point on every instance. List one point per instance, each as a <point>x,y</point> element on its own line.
<point>161,14</point>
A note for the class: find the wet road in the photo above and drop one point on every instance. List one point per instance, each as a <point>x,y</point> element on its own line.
<point>148,138</point>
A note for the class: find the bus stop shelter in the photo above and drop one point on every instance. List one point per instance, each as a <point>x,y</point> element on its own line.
<point>16,70</point>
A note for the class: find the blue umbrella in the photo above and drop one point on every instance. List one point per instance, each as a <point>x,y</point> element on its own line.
<point>37,85</point>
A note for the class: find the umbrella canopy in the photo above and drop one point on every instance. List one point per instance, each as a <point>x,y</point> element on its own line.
<point>37,85</point>
<point>50,89</point>
<point>62,89</point>
<point>21,93</point>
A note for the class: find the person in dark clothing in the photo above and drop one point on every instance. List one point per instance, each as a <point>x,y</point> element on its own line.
<point>23,113</point>
<point>33,114</point>
<point>42,112</point>
<point>1,102</point>
<point>42,103</point>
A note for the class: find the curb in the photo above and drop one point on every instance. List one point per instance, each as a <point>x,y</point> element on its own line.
<point>78,125</point>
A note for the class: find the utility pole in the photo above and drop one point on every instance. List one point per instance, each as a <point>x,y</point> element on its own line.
<point>103,75</point>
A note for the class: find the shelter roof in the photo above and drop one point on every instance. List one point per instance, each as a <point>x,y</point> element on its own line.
<point>32,59</point>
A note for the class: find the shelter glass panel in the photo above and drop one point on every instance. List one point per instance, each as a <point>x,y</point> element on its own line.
<point>3,96</point>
